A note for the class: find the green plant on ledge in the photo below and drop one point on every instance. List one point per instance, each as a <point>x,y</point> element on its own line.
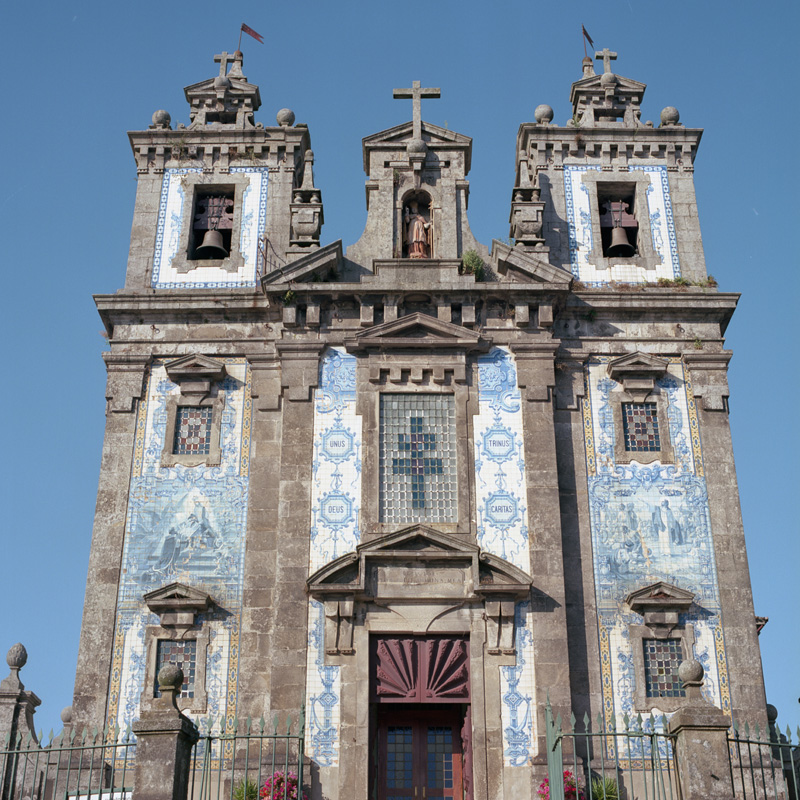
<point>472,264</point>
<point>288,297</point>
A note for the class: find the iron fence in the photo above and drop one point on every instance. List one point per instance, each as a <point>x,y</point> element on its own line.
<point>91,764</point>
<point>603,763</point>
<point>250,760</point>
<point>764,763</point>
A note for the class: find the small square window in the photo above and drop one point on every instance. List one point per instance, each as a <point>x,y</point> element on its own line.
<point>182,654</point>
<point>640,424</point>
<point>662,657</point>
<point>192,430</point>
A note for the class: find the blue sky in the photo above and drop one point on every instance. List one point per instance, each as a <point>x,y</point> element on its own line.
<point>80,74</point>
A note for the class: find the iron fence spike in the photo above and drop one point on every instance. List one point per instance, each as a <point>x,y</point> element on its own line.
<point>248,723</point>
<point>51,736</point>
<point>640,721</point>
<point>262,723</point>
<point>275,723</point>
<point>41,735</point>
<point>758,731</point>
<point>626,721</point>
<point>746,730</point>
<point>288,724</point>
<point>572,722</point>
<point>587,721</point>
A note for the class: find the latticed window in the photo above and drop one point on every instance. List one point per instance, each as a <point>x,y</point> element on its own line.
<point>182,654</point>
<point>192,431</point>
<point>418,458</point>
<point>662,657</point>
<point>640,424</point>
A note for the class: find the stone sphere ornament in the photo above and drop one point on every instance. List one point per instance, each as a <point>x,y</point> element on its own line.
<point>285,117</point>
<point>608,79</point>
<point>772,713</point>
<point>17,656</point>
<point>161,118</point>
<point>416,146</point>
<point>543,114</point>
<point>66,715</point>
<point>670,116</point>
<point>170,676</point>
<point>691,671</point>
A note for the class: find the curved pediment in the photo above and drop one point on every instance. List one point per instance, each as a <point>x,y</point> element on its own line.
<point>419,562</point>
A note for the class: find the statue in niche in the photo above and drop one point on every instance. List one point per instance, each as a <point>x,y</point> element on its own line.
<point>417,232</point>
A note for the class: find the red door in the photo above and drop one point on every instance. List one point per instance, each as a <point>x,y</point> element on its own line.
<point>419,754</point>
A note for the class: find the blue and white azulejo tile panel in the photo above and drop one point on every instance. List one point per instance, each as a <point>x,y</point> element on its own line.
<point>581,236</point>
<point>649,523</point>
<point>169,233</point>
<point>335,509</point>
<point>185,524</point>
<point>501,502</point>
<point>500,486</point>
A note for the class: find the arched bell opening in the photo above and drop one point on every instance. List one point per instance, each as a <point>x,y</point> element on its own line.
<point>417,225</point>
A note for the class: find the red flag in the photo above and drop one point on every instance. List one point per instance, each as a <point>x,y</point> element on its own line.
<point>588,38</point>
<point>257,36</point>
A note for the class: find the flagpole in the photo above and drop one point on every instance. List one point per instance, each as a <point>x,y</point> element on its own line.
<point>239,46</point>
<point>585,54</point>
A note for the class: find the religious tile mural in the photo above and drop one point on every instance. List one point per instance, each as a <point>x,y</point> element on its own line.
<point>335,509</point>
<point>500,499</point>
<point>581,238</point>
<point>185,524</point>
<point>170,221</point>
<point>650,523</point>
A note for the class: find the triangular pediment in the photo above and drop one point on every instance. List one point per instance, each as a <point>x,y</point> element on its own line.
<point>195,367</point>
<point>321,263</point>
<point>177,595</point>
<point>418,331</point>
<point>595,82</point>
<point>417,538</point>
<point>431,135</point>
<point>527,267</point>
<point>637,363</point>
<point>659,595</point>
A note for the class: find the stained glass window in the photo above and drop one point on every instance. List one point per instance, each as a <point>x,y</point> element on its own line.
<point>192,431</point>
<point>662,657</point>
<point>640,423</point>
<point>418,458</point>
<point>182,654</point>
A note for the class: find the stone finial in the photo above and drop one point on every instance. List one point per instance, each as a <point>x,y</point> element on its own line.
<point>66,715</point>
<point>670,116</point>
<point>285,118</point>
<point>17,656</point>
<point>543,114</point>
<point>308,171</point>
<point>161,119</point>
<point>772,714</point>
<point>16,659</point>
<point>588,67</point>
<point>170,680</point>
<point>691,673</point>
<point>236,69</point>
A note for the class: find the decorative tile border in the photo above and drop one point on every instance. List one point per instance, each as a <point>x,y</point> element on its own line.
<point>579,219</point>
<point>203,511</point>
<point>649,522</point>
<point>168,234</point>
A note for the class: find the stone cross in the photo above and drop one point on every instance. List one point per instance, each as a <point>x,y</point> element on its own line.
<point>416,94</point>
<point>607,57</point>
<point>223,59</point>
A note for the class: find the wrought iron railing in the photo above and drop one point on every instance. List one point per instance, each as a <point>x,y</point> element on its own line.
<point>764,763</point>
<point>603,763</point>
<point>92,764</point>
<point>250,760</point>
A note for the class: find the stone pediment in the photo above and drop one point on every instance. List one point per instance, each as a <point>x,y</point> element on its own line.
<point>320,264</point>
<point>419,562</point>
<point>417,331</point>
<point>195,368</point>
<point>177,604</point>
<point>595,82</point>
<point>527,267</point>
<point>637,371</point>
<point>433,136</point>
<point>660,596</point>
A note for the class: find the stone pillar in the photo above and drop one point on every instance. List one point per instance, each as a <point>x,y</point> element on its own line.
<point>701,747</point>
<point>16,721</point>
<point>164,741</point>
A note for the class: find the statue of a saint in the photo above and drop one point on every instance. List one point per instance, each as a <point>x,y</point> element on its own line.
<point>417,232</point>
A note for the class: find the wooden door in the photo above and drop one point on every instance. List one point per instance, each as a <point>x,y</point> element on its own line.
<point>420,754</point>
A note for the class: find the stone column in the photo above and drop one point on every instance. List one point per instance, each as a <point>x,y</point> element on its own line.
<point>701,746</point>
<point>164,741</point>
<point>16,722</point>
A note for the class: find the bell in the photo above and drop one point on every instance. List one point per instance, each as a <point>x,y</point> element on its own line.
<point>211,246</point>
<point>620,246</point>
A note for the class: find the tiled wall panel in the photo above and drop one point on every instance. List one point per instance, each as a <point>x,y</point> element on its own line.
<point>649,523</point>
<point>185,524</point>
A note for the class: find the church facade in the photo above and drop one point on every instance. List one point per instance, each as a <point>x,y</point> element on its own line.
<point>419,484</point>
